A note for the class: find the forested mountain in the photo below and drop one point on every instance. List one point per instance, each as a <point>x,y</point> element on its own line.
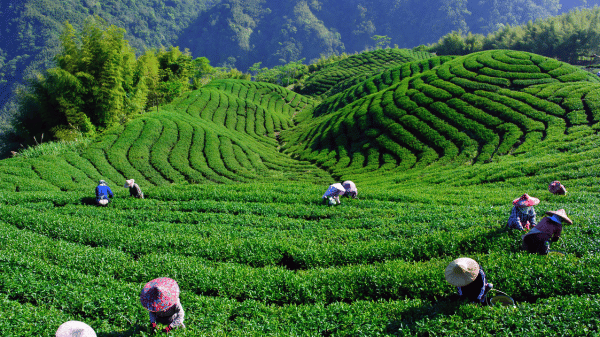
<point>239,33</point>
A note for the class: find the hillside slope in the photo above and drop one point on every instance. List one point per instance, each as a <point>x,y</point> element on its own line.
<point>472,109</point>
<point>224,132</point>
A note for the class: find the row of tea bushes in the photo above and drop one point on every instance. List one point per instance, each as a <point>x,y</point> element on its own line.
<point>456,112</point>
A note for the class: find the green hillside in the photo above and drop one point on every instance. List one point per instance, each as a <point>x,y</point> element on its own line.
<point>233,175</point>
<point>339,75</point>
<point>226,131</point>
<point>472,109</point>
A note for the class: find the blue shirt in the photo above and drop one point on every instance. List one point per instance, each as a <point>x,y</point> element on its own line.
<point>103,192</point>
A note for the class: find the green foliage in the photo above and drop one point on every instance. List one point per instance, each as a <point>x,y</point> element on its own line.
<point>568,37</point>
<point>437,165</point>
<point>474,108</point>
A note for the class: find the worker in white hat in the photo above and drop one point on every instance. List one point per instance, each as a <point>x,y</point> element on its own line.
<point>333,193</point>
<point>134,189</point>
<point>468,277</point>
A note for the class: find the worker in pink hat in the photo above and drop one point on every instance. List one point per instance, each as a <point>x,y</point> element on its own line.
<point>333,193</point>
<point>161,298</point>
<point>75,329</point>
<point>556,187</point>
<point>469,279</point>
<point>548,230</point>
<point>523,214</point>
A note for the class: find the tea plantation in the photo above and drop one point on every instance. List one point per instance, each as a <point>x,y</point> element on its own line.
<point>233,174</point>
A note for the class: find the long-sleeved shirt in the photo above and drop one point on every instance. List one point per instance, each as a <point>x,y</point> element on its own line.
<point>334,190</point>
<point>103,192</point>
<point>518,219</point>
<point>549,229</point>
<point>173,316</point>
<point>475,290</point>
<point>136,191</point>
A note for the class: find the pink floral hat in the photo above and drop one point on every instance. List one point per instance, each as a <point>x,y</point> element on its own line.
<point>525,201</point>
<point>160,294</point>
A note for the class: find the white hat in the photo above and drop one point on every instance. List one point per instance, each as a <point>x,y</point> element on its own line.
<point>462,271</point>
<point>129,183</point>
<point>75,329</point>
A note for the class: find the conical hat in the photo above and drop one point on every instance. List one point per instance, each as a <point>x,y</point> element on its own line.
<point>75,329</point>
<point>129,183</point>
<point>525,201</point>
<point>462,271</point>
<point>160,294</point>
<point>561,213</point>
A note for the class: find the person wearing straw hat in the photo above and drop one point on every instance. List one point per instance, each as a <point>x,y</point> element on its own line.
<point>75,329</point>
<point>548,230</point>
<point>103,193</point>
<point>350,188</point>
<point>134,189</point>
<point>469,279</point>
<point>161,298</point>
<point>333,193</point>
<point>523,214</point>
<point>557,188</point>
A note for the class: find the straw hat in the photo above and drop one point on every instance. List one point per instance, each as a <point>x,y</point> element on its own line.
<point>462,271</point>
<point>129,183</point>
<point>561,213</point>
<point>160,294</point>
<point>525,201</point>
<point>75,329</point>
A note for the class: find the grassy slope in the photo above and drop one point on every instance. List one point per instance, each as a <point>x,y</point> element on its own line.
<point>473,109</point>
<point>261,256</point>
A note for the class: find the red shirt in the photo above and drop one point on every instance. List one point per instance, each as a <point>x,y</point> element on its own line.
<point>549,227</point>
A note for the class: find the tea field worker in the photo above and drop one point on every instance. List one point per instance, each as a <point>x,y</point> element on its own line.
<point>548,230</point>
<point>556,187</point>
<point>523,214</point>
<point>333,193</point>
<point>103,193</point>
<point>469,278</point>
<point>134,189</point>
<point>161,298</point>
<point>75,329</point>
<point>350,188</point>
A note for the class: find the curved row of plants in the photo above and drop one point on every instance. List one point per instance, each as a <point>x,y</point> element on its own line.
<point>470,109</point>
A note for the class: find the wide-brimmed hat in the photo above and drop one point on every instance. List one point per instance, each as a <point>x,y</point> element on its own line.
<point>129,183</point>
<point>101,182</point>
<point>462,271</point>
<point>75,329</point>
<point>561,213</point>
<point>348,185</point>
<point>160,294</point>
<point>525,201</point>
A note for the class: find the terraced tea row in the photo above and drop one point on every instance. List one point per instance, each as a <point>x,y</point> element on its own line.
<point>210,135</point>
<point>461,111</point>
<point>231,250</point>
<point>323,82</point>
